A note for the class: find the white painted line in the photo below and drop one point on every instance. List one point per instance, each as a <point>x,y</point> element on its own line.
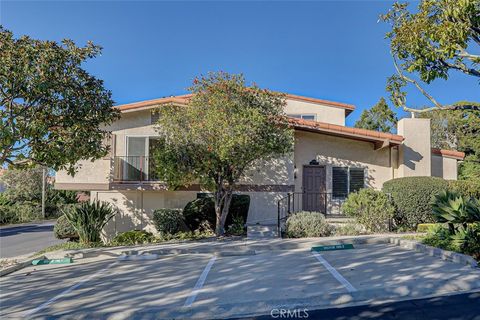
<point>67,291</point>
<point>334,272</point>
<point>200,282</point>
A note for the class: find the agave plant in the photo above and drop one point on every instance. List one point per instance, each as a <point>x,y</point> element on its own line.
<point>455,210</point>
<point>89,219</point>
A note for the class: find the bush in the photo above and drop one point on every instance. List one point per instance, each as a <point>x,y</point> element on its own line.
<point>470,240</point>
<point>425,227</point>
<point>466,188</point>
<point>237,228</point>
<point>133,237</point>
<point>64,229</point>
<point>370,208</point>
<point>308,224</point>
<point>169,221</point>
<point>203,209</point>
<point>456,210</point>
<point>349,229</point>
<point>89,219</point>
<point>439,236</point>
<point>412,198</point>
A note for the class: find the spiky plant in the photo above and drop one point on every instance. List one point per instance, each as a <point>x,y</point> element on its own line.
<point>89,219</point>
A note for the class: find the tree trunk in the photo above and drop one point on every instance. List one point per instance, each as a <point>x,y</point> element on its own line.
<point>222,205</point>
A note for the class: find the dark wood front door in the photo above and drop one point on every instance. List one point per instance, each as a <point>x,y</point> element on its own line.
<point>314,197</point>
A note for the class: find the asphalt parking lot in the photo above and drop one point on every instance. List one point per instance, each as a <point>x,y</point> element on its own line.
<point>209,286</point>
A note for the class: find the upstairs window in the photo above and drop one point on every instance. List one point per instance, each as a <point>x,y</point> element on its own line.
<point>311,117</point>
<point>346,180</point>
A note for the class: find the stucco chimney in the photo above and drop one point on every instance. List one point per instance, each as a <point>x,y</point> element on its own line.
<point>415,152</point>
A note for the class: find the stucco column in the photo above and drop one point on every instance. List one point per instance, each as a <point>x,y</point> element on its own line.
<point>415,152</point>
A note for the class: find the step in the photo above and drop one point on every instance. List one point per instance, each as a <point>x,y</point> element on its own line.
<point>259,231</point>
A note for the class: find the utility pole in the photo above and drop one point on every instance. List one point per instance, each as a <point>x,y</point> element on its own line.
<point>44,178</point>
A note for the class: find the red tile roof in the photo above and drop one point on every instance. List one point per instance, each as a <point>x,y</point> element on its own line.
<point>347,132</point>
<point>183,99</point>
<point>449,153</point>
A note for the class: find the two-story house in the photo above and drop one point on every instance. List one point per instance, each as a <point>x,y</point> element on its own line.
<point>330,160</point>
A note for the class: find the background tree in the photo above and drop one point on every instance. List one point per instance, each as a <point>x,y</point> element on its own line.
<point>460,130</point>
<point>22,199</point>
<point>51,108</point>
<point>430,43</point>
<point>379,118</point>
<point>226,128</point>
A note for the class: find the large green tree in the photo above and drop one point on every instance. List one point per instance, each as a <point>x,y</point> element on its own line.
<point>52,110</point>
<point>460,130</point>
<point>225,129</point>
<point>379,118</point>
<point>441,37</point>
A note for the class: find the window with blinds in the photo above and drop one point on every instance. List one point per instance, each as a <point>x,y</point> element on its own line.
<point>346,180</point>
<point>357,179</point>
<point>339,182</point>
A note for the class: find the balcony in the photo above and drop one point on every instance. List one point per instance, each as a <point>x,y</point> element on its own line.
<point>134,169</point>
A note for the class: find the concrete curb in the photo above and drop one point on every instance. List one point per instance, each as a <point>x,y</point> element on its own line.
<point>19,266</point>
<point>436,252</point>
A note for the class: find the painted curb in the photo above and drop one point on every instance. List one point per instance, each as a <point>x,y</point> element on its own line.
<point>19,266</point>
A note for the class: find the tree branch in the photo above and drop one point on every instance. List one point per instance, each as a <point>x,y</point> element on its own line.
<point>414,82</point>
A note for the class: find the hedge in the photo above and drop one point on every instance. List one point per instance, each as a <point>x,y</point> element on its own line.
<point>412,198</point>
<point>468,188</point>
<point>169,221</point>
<point>203,209</point>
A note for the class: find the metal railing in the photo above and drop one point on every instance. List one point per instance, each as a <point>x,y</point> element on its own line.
<point>327,203</point>
<point>134,169</point>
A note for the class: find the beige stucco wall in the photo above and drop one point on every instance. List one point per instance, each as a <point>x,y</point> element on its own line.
<point>444,167</point>
<point>93,173</point>
<point>323,113</point>
<point>135,208</point>
<point>333,151</point>
<point>415,152</point>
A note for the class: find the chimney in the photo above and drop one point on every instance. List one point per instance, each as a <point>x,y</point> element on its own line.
<point>415,152</point>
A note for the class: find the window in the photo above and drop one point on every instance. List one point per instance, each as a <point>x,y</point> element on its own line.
<point>346,180</point>
<point>303,116</point>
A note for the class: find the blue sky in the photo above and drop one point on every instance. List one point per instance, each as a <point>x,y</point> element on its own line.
<point>331,50</point>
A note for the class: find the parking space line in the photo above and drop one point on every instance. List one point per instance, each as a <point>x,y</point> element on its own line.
<point>200,282</point>
<point>67,291</point>
<point>334,272</point>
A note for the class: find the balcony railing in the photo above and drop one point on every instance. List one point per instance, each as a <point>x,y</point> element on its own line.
<point>134,169</point>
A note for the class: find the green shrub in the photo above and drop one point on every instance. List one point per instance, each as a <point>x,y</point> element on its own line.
<point>349,229</point>
<point>203,209</point>
<point>237,228</point>
<point>199,210</point>
<point>425,227</point>
<point>439,236</point>
<point>133,237</point>
<point>308,224</point>
<point>467,188</point>
<point>89,219</point>
<point>412,198</point>
<point>7,215</point>
<point>370,208</point>
<point>169,221</point>
<point>469,240</point>
<point>64,229</point>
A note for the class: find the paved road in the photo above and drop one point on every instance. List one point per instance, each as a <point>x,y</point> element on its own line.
<point>25,239</point>
<point>459,307</point>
